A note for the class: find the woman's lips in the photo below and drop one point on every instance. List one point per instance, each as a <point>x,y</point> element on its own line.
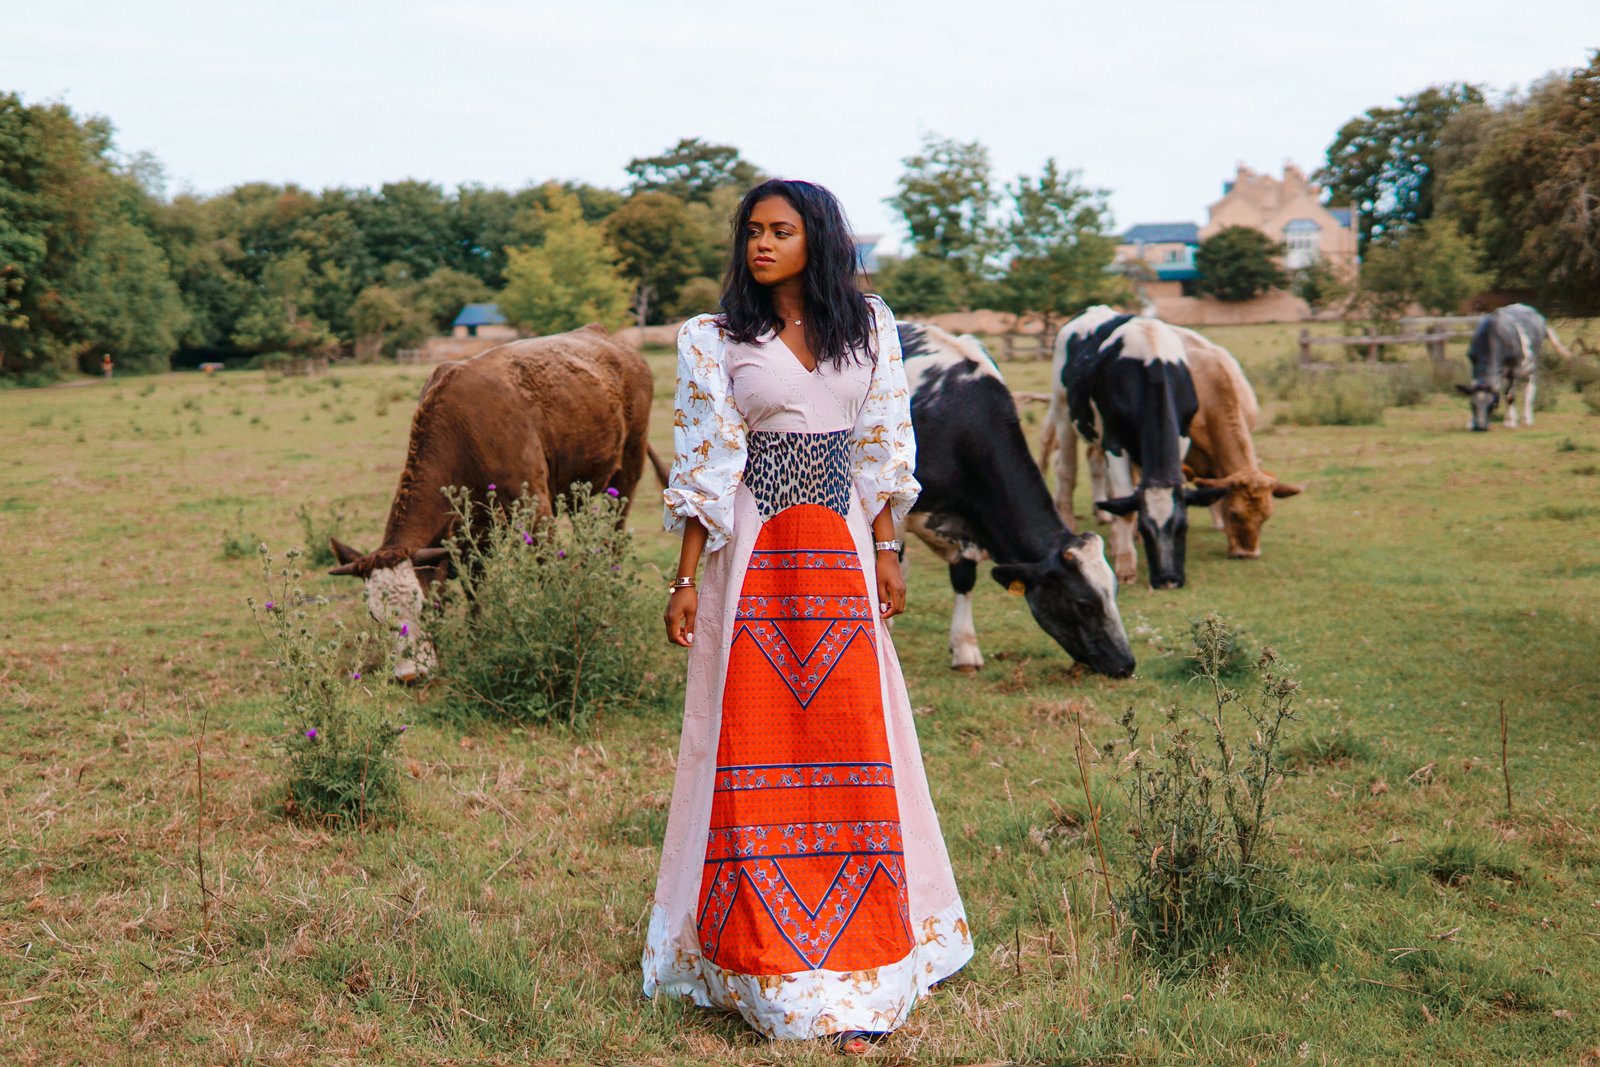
<point>765,260</point>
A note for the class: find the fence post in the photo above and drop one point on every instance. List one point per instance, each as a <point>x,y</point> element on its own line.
<point>1305,346</point>
<point>1372,346</point>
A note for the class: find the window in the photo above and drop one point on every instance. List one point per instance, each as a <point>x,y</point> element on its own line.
<point>1302,240</point>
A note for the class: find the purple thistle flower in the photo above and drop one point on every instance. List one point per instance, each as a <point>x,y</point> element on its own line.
<point>611,490</point>
<point>561,553</point>
<point>355,676</point>
<point>405,631</point>
<point>270,606</point>
<point>527,539</point>
<point>403,729</point>
<point>491,487</point>
<point>312,733</point>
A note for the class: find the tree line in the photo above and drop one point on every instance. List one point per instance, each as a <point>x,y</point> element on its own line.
<point>1456,193</point>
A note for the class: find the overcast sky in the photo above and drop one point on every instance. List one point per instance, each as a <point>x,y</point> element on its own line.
<point>1155,101</point>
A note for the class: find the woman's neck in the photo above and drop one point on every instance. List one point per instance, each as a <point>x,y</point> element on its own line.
<point>789,300</point>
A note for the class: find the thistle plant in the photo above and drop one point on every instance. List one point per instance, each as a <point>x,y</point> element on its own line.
<point>547,618</point>
<point>1199,792</point>
<point>338,747</point>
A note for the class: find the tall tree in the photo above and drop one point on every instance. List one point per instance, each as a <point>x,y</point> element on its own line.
<point>946,195</point>
<point>1237,263</point>
<point>1432,265</point>
<point>1383,162</point>
<point>80,275</point>
<point>570,280</point>
<point>692,170</point>
<point>278,318</point>
<point>1059,246</point>
<point>1524,182</point>
<point>655,240</point>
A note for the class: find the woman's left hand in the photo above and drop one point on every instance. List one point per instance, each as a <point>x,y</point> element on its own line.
<point>891,585</point>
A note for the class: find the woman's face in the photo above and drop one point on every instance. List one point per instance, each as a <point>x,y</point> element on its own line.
<point>775,242</point>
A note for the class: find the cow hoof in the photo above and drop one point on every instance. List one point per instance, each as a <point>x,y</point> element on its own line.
<point>1245,555</point>
<point>964,668</point>
<point>411,678</point>
<point>1103,518</point>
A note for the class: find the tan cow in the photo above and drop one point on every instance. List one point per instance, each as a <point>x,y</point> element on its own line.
<point>545,412</point>
<point>1221,454</point>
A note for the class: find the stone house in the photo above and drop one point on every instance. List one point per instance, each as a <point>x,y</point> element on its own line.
<point>1288,210</point>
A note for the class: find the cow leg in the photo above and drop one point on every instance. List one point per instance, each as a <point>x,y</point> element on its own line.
<point>1065,436</point>
<point>1098,480</point>
<point>1118,474</point>
<point>964,653</point>
<point>1528,388</point>
<point>1217,521</point>
<point>1511,406</point>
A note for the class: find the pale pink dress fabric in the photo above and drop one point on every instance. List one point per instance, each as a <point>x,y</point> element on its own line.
<point>770,390</point>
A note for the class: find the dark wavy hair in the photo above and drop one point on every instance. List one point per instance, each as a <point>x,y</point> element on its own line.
<point>838,321</point>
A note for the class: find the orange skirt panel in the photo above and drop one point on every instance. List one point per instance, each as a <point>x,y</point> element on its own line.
<point>804,864</point>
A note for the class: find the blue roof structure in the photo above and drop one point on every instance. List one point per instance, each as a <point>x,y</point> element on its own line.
<point>1152,233</point>
<point>480,315</point>
<point>1342,214</point>
<point>1177,274</point>
<point>1302,226</point>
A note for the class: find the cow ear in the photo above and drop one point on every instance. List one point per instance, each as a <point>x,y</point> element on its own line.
<point>1283,489</point>
<point>1016,577</point>
<point>1204,495</point>
<point>1122,505</point>
<point>1464,390</point>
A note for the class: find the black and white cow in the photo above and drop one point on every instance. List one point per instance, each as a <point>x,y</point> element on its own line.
<point>1122,382</point>
<point>1505,354</point>
<point>982,496</point>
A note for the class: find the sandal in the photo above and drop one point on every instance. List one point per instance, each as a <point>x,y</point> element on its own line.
<point>853,1042</point>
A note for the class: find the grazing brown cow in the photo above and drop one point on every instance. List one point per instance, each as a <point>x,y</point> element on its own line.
<point>548,412</point>
<point>1221,454</point>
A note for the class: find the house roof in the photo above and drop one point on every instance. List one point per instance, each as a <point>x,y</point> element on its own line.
<point>1342,214</point>
<point>480,315</point>
<point>1301,226</point>
<point>1163,233</point>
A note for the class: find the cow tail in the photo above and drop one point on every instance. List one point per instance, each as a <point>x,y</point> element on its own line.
<point>1555,342</point>
<point>655,462</point>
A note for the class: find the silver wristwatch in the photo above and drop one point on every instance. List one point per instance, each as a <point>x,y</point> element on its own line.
<point>887,546</point>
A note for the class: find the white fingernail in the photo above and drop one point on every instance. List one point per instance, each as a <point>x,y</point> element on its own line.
<point>689,638</point>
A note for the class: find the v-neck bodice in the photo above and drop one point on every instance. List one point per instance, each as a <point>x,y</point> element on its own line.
<point>775,392</point>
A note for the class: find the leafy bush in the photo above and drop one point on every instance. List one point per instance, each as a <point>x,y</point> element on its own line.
<point>1198,816</point>
<point>318,529</point>
<point>237,543</point>
<point>1591,397</point>
<point>1341,398</point>
<point>551,622</point>
<point>339,762</point>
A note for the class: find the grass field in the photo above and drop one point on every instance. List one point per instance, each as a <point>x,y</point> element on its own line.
<point>1425,576</point>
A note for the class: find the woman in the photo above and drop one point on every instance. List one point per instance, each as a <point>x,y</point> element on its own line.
<point>804,881</point>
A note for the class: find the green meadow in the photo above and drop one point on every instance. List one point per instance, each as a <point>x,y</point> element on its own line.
<point>1425,577</point>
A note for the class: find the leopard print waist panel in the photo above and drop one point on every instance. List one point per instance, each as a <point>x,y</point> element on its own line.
<point>785,469</point>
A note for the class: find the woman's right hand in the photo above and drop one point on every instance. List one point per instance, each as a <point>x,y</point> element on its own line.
<point>681,607</point>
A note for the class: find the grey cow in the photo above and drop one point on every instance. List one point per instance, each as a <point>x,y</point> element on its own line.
<point>1505,354</point>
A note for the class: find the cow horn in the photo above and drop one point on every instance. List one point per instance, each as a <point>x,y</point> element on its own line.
<point>345,568</point>
<point>1283,489</point>
<point>424,557</point>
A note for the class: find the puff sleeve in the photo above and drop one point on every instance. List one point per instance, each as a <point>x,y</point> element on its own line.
<point>883,449</point>
<point>708,437</point>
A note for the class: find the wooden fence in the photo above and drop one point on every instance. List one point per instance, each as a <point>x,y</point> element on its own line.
<point>1440,332</point>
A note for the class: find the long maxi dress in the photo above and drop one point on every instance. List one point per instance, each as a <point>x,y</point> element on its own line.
<point>804,882</point>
